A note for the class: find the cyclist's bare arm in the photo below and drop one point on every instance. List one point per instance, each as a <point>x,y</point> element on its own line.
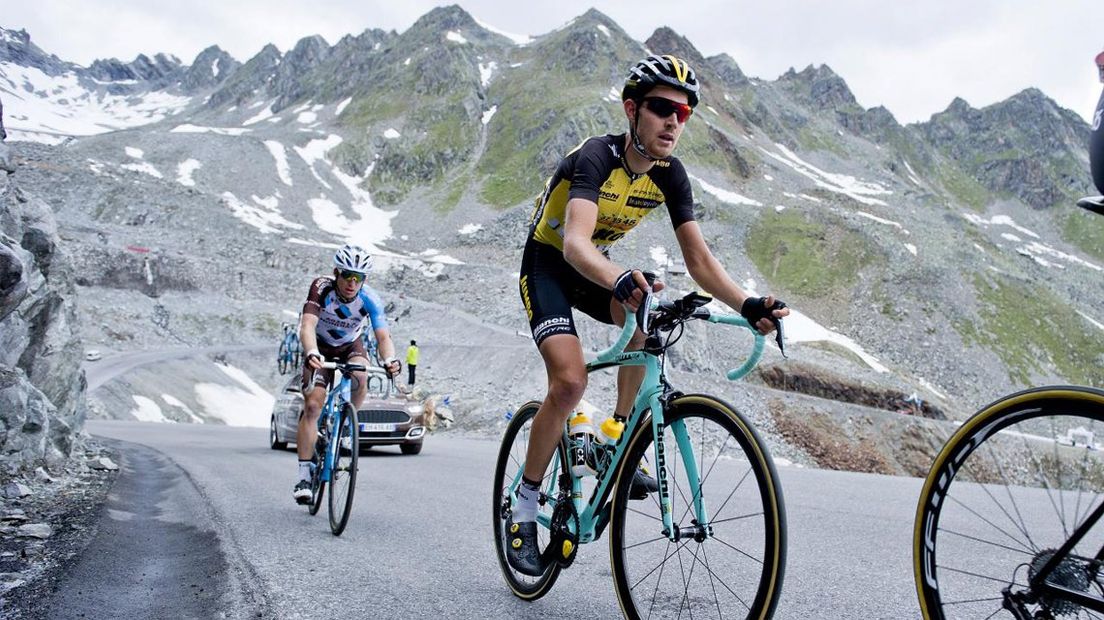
<point>581,217</point>
<point>309,339</point>
<point>709,274</point>
<point>386,348</point>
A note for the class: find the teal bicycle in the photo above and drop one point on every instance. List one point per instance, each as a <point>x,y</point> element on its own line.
<point>711,542</point>
<point>336,449</point>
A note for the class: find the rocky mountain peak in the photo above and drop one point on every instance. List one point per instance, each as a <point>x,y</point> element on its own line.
<point>210,67</point>
<point>254,75</point>
<point>445,18</point>
<point>666,41</point>
<point>820,86</point>
<point>725,67</point>
<point>16,47</point>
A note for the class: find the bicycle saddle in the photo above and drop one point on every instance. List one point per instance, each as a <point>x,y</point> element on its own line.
<point>1092,203</point>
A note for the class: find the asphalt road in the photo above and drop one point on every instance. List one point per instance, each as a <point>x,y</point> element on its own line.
<point>112,365</point>
<point>418,543</point>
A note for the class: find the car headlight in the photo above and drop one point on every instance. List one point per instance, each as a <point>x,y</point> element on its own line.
<point>414,409</point>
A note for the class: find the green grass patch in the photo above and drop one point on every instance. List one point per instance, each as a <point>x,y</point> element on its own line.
<point>1084,230</point>
<point>1034,333</point>
<point>808,258</point>
<point>963,187</point>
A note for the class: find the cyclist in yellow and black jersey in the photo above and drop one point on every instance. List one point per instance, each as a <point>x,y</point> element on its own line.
<point>599,192</point>
<point>596,171</point>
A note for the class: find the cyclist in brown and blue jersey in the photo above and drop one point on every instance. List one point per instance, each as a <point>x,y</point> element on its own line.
<point>599,192</point>
<point>337,310</point>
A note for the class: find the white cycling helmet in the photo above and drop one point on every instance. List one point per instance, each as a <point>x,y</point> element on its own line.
<point>353,258</point>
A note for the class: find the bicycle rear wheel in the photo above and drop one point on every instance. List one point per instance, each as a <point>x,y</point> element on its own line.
<point>508,470</point>
<point>343,476</point>
<point>730,567</point>
<point>1007,490</point>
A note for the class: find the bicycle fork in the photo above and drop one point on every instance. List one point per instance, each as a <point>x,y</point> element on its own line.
<point>699,529</point>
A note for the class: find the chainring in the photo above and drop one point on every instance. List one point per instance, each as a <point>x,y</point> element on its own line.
<point>563,545</point>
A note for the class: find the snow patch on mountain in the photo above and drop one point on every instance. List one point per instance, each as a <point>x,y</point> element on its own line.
<point>144,167</point>
<point>185,170</point>
<point>265,219</point>
<point>519,39</point>
<point>225,131</point>
<point>147,410</point>
<point>725,195</point>
<point>244,404</point>
<point>258,117</point>
<point>847,185</point>
<point>279,153</point>
<point>41,107</point>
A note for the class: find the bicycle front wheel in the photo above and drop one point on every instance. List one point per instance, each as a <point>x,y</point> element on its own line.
<point>508,470</point>
<point>343,476</point>
<point>1007,490</point>
<point>282,359</point>
<point>716,468</point>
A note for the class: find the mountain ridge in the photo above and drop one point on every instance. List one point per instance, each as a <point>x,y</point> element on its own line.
<point>432,143</point>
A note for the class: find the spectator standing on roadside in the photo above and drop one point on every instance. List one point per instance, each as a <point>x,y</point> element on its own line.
<point>411,361</point>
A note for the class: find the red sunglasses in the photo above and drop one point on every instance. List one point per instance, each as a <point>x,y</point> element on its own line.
<point>665,107</point>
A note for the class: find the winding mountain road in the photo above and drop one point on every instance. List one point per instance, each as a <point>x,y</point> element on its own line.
<point>418,543</point>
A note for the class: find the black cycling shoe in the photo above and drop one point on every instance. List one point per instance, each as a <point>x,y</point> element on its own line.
<point>521,548</point>
<point>642,484</point>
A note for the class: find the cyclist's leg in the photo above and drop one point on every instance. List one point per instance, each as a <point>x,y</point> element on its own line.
<point>567,380</point>
<point>314,396</point>
<point>548,286</point>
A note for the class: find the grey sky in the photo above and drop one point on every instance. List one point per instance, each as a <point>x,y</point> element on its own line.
<point>913,57</point>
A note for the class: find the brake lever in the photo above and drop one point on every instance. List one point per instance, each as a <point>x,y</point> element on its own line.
<point>778,336</point>
<point>643,311</point>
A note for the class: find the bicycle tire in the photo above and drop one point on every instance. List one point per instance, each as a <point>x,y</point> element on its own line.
<point>511,458</point>
<point>344,474</point>
<point>988,515</point>
<point>748,549</point>
<point>282,358</point>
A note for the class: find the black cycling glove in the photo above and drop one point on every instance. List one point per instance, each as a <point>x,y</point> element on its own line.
<point>624,286</point>
<point>755,308</point>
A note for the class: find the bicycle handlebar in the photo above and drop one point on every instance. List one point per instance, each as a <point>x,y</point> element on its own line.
<point>344,367</point>
<point>617,348</point>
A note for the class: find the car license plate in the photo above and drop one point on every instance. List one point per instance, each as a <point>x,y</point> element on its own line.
<point>376,427</point>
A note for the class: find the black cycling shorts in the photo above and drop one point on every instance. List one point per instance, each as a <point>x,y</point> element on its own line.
<point>324,377</point>
<point>550,288</point>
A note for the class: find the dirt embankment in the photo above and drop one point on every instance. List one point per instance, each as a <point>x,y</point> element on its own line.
<point>847,425</point>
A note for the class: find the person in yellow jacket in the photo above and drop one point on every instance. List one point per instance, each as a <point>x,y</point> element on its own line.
<point>411,361</point>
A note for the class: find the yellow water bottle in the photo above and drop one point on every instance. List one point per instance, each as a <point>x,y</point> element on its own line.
<point>610,431</point>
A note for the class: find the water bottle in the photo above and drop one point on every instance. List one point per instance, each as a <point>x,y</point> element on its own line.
<point>610,431</point>
<point>582,449</point>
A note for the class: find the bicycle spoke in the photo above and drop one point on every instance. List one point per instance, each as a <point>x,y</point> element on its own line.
<point>737,550</point>
<point>1030,549</point>
<point>987,542</point>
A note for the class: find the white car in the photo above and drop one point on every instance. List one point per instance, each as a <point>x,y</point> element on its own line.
<point>92,355</point>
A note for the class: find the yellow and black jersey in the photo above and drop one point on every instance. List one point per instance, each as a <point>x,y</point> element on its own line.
<point>595,171</point>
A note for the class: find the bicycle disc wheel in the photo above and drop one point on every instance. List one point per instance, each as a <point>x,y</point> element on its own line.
<point>1007,490</point>
<point>508,469</point>
<point>343,476</point>
<point>281,359</point>
<point>730,567</point>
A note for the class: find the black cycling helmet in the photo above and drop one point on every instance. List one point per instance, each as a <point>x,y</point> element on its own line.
<point>657,70</point>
